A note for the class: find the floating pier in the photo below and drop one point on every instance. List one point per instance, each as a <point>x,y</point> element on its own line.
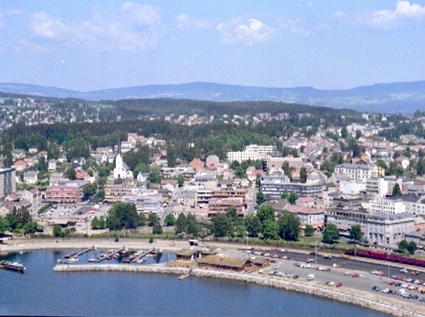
<point>109,255</point>
<point>17,267</point>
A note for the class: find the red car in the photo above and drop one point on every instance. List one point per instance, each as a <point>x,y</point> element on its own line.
<point>339,285</point>
<point>355,275</point>
<point>392,282</point>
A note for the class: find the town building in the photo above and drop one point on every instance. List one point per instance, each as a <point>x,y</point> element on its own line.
<point>7,181</point>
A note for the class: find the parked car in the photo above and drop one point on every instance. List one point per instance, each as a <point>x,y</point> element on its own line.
<point>339,285</point>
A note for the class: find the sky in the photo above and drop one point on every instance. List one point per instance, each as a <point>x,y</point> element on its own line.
<point>100,44</point>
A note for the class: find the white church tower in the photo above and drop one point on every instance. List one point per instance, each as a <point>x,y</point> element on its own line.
<point>121,170</point>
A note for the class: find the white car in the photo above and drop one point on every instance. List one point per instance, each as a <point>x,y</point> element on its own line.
<point>385,290</point>
<point>403,270</point>
<point>347,273</point>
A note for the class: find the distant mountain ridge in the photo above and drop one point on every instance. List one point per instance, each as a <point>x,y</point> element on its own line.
<point>401,97</point>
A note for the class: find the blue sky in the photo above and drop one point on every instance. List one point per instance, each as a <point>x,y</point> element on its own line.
<point>328,44</point>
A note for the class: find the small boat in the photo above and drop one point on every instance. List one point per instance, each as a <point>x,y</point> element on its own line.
<point>15,266</point>
<point>71,260</point>
<point>92,260</point>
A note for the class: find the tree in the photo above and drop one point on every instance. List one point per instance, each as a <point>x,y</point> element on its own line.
<point>180,180</point>
<point>152,219</point>
<point>30,227</point>
<point>89,190</point>
<point>4,225</point>
<point>57,231</point>
<point>70,173</point>
<point>95,223</point>
<point>157,229</point>
<point>330,234</point>
<point>309,230</point>
<point>122,216</point>
<point>240,172</point>
<point>396,190</point>
<point>265,213</point>
<point>12,221</point>
<point>403,245</point>
<point>192,225</point>
<point>253,225</point>
<point>181,223</point>
<point>358,134</point>
<point>269,229</point>
<point>101,223</point>
<point>169,220</point>
<point>154,177</point>
<point>356,233</point>
<point>344,133</point>
<point>260,198</point>
<point>288,225</point>
<point>412,247</point>
<point>221,225</point>
<point>303,175</point>
<point>293,197</point>
<point>141,220</point>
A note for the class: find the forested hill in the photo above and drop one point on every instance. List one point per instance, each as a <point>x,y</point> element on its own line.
<point>403,97</point>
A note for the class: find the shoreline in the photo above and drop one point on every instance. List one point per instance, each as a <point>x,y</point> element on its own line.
<point>345,294</point>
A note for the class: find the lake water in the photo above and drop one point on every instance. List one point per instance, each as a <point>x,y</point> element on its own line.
<point>43,292</point>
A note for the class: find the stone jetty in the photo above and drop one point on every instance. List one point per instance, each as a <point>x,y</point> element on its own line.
<point>344,295</point>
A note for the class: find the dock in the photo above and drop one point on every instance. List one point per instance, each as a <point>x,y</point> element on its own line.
<point>83,252</point>
<point>142,255</point>
<point>111,254</point>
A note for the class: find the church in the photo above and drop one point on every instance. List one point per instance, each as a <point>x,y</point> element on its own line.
<point>121,170</point>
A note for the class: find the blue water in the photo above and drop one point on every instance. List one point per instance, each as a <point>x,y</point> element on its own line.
<point>43,292</point>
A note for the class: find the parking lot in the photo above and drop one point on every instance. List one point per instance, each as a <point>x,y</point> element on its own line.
<point>347,272</point>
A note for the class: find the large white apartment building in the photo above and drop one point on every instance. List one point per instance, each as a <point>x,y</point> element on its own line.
<point>251,152</point>
<point>359,170</point>
<point>385,206</point>
<point>352,186</point>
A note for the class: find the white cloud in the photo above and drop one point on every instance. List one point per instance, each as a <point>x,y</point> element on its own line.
<point>183,21</point>
<point>46,27</point>
<point>388,19</point>
<point>142,14</point>
<point>340,15</point>
<point>247,32</point>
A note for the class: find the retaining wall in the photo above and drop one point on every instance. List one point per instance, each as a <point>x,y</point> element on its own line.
<point>310,289</point>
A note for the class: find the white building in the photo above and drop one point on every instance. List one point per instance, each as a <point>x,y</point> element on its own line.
<point>359,170</point>
<point>146,201</point>
<point>385,206</point>
<point>388,228</point>
<point>352,186</point>
<point>377,187</point>
<point>121,169</point>
<point>251,152</point>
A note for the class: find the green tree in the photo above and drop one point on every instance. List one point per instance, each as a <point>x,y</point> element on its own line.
<point>141,222</point>
<point>396,190</point>
<point>221,225</point>
<point>192,225</point>
<point>154,177</point>
<point>4,225</point>
<point>356,233</point>
<point>358,134</point>
<point>260,198</point>
<point>57,231</point>
<point>288,225</point>
<point>95,223</point>
<point>152,219</point>
<point>70,173</point>
<point>12,221</point>
<point>157,229</point>
<point>330,234</point>
<point>303,175</point>
<point>265,213</point>
<point>344,133</point>
<point>240,172</point>
<point>181,225</point>
<point>180,180</point>
<point>101,223</point>
<point>169,220</point>
<point>30,227</point>
<point>89,190</point>
<point>293,197</point>
<point>403,245</point>
<point>309,230</point>
<point>412,247</point>
<point>269,229</point>
<point>253,225</point>
<point>122,216</point>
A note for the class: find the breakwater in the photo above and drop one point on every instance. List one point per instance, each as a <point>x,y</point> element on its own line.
<point>343,295</point>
